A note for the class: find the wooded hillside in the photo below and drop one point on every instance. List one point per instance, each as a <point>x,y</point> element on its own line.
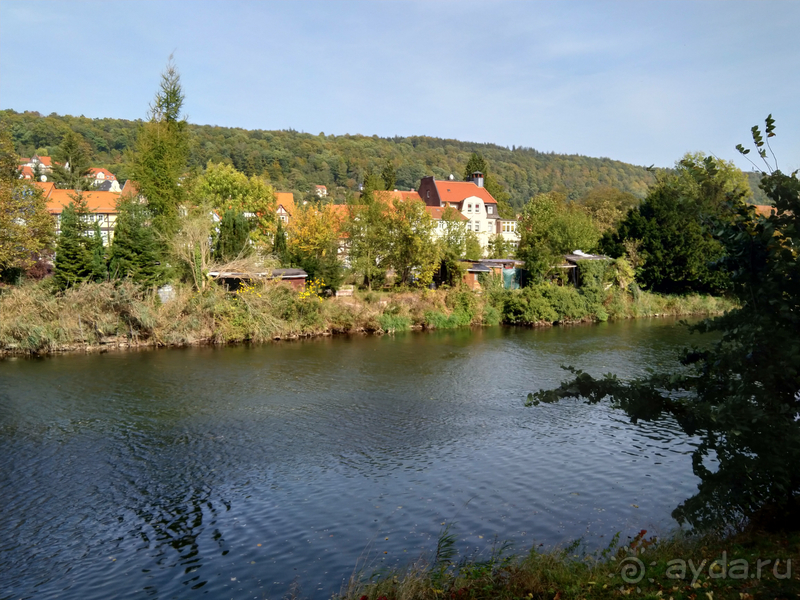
<point>295,161</point>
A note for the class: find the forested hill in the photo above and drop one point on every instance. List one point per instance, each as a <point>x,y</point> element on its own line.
<point>297,162</point>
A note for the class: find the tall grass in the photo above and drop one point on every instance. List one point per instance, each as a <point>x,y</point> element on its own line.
<point>644,567</point>
<point>36,319</point>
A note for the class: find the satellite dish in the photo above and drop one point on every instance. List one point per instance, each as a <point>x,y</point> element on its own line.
<point>451,177</point>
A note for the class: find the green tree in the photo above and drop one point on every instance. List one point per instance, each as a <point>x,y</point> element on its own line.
<point>279,246</point>
<point>608,206</point>
<point>26,228</point>
<point>72,162</point>
<point>233,237</point>
<point>549,228</point>
<point>135,251</point>
<point>674,226</point>
<point>161,154</point>
<point>366,235</point>
<point>75,251</point>
<point>411,248</point>
<point>225,188</point>
<point>389,176</point>
<point>740,397</point>
<point>499,247</point>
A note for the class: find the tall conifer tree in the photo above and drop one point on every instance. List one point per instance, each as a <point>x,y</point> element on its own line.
<point>162,152</point>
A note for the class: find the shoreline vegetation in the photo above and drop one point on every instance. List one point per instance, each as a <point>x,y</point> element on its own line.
<point>105,316</point>
<point>748,565</point>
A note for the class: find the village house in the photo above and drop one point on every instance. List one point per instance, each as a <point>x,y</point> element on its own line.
<point>104,180</point>
<point>473,201</point>
<point>102,207</point>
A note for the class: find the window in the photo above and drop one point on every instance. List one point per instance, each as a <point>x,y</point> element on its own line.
<point>489,209</point>
<point>477,225</point>
<point>428,194</point>
<point>469,208</point>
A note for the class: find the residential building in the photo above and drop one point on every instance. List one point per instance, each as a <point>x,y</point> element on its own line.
<point>473,201</point>
<point>102,207</point>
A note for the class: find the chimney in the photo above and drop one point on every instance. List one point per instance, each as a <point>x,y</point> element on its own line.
<point>477,178</point>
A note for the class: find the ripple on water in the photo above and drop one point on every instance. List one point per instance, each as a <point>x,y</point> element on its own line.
<point>240,470</point>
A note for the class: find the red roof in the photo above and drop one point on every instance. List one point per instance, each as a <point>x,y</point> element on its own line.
<point>26,172</point>
<point>97,202</point>
<point>456,191</point>
<point>45,160</point>
<point>47,188</point>
<point>107,175</point>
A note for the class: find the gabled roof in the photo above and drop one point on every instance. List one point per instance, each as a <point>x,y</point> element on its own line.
<point>457,191</point>
<point>106,174</point>
<point>130,188</point>
<point>46,161</point>
<point>321,187</point>
<point>47,188</point>
<point>26,172</point>
<point>97,202</point>
<point>285,199</point>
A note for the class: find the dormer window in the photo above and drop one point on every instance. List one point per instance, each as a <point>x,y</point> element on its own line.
<point>428,194</point>
<point>489,209</point>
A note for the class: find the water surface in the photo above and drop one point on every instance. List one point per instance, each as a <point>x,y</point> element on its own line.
<point>236,472</point>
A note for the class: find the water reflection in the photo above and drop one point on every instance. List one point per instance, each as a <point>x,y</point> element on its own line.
<point>238,470</point>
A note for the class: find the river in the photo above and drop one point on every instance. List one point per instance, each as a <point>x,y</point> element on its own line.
<point>238,472</point>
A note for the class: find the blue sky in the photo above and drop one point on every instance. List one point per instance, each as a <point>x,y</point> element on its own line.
<point>642,82</point>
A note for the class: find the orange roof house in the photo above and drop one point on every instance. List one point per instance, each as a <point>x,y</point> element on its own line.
<point>102,207</point>
<point>25,172</point>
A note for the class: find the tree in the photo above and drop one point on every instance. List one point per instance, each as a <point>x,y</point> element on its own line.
<point>549,228</point>
<point>279,246</point>
<point>76,248</point>
<point>608,206</point>
<point>499,247</point>
<point>161,154</point>
<point>741,397</point>
<point>674,225</point>
<point>72,163</point>
<point>233,237</point>
<point>313,242</point>
<point>389,176</point>
<point>26,228</point>
<point>411,249</point>
<point>225,188</point>
<point>135,251</point>
<point>366,234</point>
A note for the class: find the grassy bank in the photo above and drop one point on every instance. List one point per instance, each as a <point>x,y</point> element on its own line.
<point>743,567</point>
<point>35,319</point>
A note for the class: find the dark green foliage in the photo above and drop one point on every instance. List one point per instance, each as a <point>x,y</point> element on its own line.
<point>677,247</point>
<point>98,252</point>
<point>296,161</point>
<point>72,162</point>
<point>234,235</point>
<point>135,251</point>
<point>161,154</point>
<point>76,247</point>
<point>741,397</point>
<point>389,176</point>
<point>279,248</point>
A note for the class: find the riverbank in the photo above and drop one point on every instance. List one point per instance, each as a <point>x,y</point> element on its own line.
<point>747,566</point>
<point>104,316</point>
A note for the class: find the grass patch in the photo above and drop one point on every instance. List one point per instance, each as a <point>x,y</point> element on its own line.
<point>681,568</point>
